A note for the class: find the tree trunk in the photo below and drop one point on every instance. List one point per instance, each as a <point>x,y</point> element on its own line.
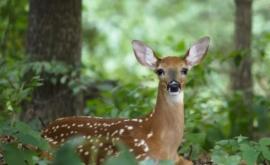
<point>54,33</point>
<point>241,76</point>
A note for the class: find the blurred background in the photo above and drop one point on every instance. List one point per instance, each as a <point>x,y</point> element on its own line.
<point>62,58</point>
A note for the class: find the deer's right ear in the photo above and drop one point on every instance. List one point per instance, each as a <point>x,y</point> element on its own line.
<point>144,54</point>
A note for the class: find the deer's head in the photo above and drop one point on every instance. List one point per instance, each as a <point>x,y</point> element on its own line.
<point>171,70</point>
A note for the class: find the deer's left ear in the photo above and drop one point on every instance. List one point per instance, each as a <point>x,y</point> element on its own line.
<point>197,51</point>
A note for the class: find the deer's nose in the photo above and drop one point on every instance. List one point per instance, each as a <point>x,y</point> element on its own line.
<point>173,86</point>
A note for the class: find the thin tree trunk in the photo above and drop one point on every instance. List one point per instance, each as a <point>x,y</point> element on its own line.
<point>242,79</point>
<point>241,75</point>
<point>54,33</point>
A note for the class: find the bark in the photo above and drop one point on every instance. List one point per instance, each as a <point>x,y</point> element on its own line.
<point>54,33</point>
<point>241,75</point>
<point>241,79</point>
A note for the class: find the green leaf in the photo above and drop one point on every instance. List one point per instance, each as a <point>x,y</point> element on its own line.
<point>264,141</point>
<point>232,160</point>
<point>28,136</point>
<point>166,162</point>
<point>124,157</point>
<point>249,154</point>
<point>147,162</point>
<point>241,138</point>
<point>198,138</point>
<point>14,156</point>
<point>30,139</point>
<point>66,155</point>
<point>265,152</point>
<point>224,159</point>
<point>64,79</point>
<point>153,162</point>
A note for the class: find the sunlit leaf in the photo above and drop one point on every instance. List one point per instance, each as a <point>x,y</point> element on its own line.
<point>249,154</point>
<point>265,141</point>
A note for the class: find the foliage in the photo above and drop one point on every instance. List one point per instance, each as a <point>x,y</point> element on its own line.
<point>66,154</point>
<point>240,148</point>
<point>124,157</point>
<point>14,88</point>
<point>112,103</point>
<point>16,152</point>
<point>59,73</point>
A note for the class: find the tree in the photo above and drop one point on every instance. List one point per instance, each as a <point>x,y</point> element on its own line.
<point>241,76</point>
<point>54,34</point>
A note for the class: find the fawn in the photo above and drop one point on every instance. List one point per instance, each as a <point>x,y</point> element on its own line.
<point>156,136</point>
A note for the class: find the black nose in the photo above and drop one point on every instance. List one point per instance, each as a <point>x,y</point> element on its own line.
<point>173,86</point>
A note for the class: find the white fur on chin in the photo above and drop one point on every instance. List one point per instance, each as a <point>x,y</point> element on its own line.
<point>176,96</point>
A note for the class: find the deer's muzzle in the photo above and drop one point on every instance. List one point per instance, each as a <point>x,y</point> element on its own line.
<point>173,87</point>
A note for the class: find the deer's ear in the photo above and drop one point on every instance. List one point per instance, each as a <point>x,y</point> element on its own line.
<point>144,54</point>
<point>197,51</point>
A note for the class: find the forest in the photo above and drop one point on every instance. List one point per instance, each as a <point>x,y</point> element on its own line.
<point>62,58</point>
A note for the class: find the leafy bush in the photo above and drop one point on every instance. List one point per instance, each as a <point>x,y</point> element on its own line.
<point>123,101</point>
<point>19,150</point>
<point>232,151</point>
<point>15,88</point>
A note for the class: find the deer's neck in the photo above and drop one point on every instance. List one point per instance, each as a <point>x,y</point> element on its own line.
<point>168,117</point>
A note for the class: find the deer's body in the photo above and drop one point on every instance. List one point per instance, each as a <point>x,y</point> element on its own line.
<point>156,136</point>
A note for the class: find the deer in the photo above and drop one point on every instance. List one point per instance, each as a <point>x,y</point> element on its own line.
<point>156,135</point>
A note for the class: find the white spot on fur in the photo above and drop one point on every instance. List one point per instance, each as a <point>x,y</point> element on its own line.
<point>129,127</point>
<point>49,139</point>
<point>149,134</point>
<point>60,118</point>
<point>140,156</point>
<point>121,131</point>
<point>80,125</point>
<point>146,148</point>
<point>115,132</point>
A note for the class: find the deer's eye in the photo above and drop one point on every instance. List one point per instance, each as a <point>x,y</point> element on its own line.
<point>184,71</point>
<point>160,72</point>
